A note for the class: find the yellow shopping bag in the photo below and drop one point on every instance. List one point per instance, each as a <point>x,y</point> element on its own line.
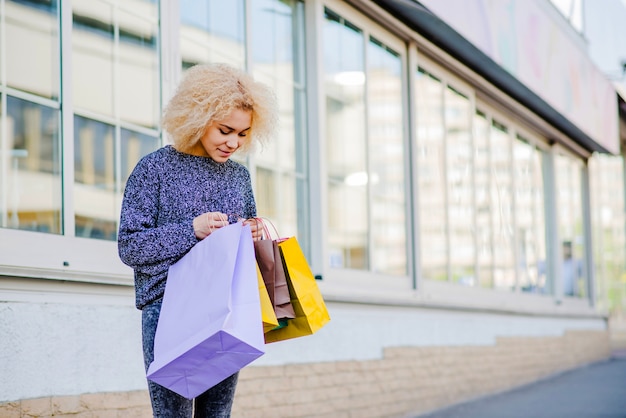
<point>306,298</point>
<point>267,309</point>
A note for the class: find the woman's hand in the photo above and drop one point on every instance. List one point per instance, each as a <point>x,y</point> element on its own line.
<point>208,222</point>
<point>256,228</point>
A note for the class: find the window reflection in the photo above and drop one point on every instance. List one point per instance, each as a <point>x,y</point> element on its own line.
<point>459,179</point>
<point>386,171</point>
<point>115,60</point>
<point>30,185</point>
<point>529,214</point>
<point>31,47</point>
<point>502,207</point>
<point>431,176</point>
<point>484,222</point>
<point>94,187</point>
<point>96,193</point>
<point>608,220</point>
<point>277,50</point>
<point>568,172</point>
<point>212,31</point>
<point>344,67</point>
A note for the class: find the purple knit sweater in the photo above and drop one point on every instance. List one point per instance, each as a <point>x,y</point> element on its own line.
<point>165,192</point>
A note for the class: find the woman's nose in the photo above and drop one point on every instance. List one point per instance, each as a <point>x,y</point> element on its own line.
<point>232,143</point>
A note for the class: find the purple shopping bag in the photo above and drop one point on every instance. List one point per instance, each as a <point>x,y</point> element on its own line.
<point>210,324</point>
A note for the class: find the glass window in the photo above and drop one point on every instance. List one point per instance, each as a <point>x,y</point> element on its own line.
<point>277,50</point>
<point>568,172</point>
<point>364,150</point>
<point>386,160</point>
<point>502,207</point>
<point>94,186</point>
<point>530,215</point>
<point>115,60</point>
<point>484,221</point>
<point>116,95</point>
<point>608,220</point>
<point>344,67</point>
<point>93,56</point>
<point>30,186</point>
<point>460,186</point>
<point>431,177</point>
<point>138,87</point>
<point>31,47</point>
<point>212,31</point>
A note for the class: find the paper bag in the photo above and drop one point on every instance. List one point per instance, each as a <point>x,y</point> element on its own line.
<point>306,298</point>
<point>210,324</point>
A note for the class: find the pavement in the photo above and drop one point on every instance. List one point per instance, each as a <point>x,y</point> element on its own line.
<point>597,390</point>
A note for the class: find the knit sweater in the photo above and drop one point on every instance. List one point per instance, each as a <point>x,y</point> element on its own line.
<point>164,193</point>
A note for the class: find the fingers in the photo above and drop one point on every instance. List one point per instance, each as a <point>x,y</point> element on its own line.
<point>208,222</point>
<point>215,220</point>
<point>257,231</point>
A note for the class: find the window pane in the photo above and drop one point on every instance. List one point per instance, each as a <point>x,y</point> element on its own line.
<point>502,198</point>
<point>30,167</point>
<point>212,31</point>
<point>430,176</point>
<point>387,168</point>
<point>529,213</point>
<point>94,187</point>
<point>277,51</point>
<point>93,56</point>
<point>608,220</point>
<point>32,47</point>
<point>138,68</point>
<point>482,179</point>
<point>133,146</point>
<point>346,143</point>
<point>568,173</point>
<point>459,151</point>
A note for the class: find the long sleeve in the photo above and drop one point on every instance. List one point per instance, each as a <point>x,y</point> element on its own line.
<point>143,244</point>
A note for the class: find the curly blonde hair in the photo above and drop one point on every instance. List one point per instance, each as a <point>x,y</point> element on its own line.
<point>210,92</point>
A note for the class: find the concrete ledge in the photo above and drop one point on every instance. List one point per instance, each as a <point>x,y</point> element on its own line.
<point>406,381</point>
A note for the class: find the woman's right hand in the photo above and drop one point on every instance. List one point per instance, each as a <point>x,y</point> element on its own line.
<point>208,222</point>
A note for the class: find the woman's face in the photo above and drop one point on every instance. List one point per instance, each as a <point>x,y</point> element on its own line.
<point>222,138</point>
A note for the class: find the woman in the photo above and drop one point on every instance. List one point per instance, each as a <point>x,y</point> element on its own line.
<point>179,194</point>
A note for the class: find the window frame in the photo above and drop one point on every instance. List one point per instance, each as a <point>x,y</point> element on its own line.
<point>349,276</point>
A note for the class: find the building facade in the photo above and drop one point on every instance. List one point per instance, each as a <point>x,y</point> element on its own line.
<point>452,169</point>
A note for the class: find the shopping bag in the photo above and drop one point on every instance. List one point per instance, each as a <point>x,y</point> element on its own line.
<point>267,309</point>
<point>306,298</point>
<point>273,272</point>
<point>210,324</point>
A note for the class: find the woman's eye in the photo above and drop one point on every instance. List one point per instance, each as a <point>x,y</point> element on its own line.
<point>224,132</point>
<point>243,134</point>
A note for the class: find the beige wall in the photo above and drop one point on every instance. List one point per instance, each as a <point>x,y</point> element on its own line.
<point>406,381</point>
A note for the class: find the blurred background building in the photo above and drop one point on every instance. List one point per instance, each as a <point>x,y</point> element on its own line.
<point>453,169</point>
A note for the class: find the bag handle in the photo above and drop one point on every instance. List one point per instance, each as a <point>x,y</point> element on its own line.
<point>266,231</point>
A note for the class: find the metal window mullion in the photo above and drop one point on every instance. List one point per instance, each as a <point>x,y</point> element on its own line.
<point>553,267</point>
<point>4,159</point>
<point>318,183</point>
<point>67,120</point>
<point>411,170</point>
